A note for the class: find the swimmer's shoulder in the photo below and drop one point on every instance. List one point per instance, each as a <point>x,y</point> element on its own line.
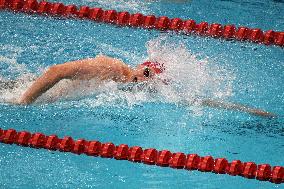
<point>111,60</point>
<point>100,59</point>
<point>90,60</point>
<point>119,68</point>
<point>103,62</point>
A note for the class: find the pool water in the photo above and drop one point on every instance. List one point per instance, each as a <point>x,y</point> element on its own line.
<point>240,72</point>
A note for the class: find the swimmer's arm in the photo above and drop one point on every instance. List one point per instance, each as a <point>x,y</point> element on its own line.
<point>52,76</point>
<point>238,107</point>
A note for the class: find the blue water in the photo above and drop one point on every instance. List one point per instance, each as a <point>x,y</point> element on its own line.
<point>250,74</point>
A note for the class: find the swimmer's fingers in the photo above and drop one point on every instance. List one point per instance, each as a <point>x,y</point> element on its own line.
<point>263,113</point>
<point>237,107</point>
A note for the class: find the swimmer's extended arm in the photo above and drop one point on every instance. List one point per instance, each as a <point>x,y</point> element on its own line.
<point>238,107</point>
<point>52,76</point>
<point>102,67</point>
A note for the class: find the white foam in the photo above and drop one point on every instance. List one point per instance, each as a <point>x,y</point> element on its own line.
<point>189,76</point>
<point>13,71</point>
<point>189,79</point>
<point>127,5</point>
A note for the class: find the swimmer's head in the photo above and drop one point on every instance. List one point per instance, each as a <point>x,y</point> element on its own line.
<point>146,71</point>
<point>155,66</point>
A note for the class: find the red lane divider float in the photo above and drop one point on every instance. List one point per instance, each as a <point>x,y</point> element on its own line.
<point>215,30</point>
<point>151,156</point>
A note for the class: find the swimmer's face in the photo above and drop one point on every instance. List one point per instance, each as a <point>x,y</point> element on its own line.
<point>142,73</point>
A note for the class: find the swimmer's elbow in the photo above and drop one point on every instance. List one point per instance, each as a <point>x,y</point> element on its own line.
<point>61,71</point>
<point>55,71</point>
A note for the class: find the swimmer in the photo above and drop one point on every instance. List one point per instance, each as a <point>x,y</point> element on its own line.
<point>104,68</point>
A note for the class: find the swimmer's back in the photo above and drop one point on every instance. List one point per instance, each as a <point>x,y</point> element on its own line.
<point>100,67</point>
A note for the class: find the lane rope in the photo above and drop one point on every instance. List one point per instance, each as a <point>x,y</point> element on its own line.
<point>215,30</point>
<point>150,156</point>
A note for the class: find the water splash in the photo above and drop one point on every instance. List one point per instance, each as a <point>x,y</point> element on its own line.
<point>189,78</point>
<point>14,77</point>
<point>127,5</point>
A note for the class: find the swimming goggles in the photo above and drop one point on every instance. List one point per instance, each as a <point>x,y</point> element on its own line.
<point>147,72</point>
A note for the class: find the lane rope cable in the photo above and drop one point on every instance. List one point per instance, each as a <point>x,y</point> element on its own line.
<point>150,156</point>
<point>215,30</point>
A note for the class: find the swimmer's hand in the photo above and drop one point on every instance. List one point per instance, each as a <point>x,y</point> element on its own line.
<point>237,107</point>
